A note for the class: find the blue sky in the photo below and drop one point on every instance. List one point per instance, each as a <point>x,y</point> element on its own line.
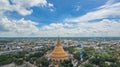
<point>62,9</point>
<point>79,18</point>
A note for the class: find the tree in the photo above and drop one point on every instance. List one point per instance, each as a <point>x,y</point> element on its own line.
<point>66,63</point>
<point>88,65</point>
<point>113,65</point>
<point>6,59</point>
<point>18,61</point>
<point>77,56</point>
<point>102,64</point>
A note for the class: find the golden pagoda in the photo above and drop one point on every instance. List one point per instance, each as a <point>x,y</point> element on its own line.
<point>58,53</point>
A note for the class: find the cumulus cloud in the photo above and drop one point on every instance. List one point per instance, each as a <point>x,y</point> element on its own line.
<point>103,28</point>
<point>84,26</point>
<point>23,7</point>
<point>21,27</point>
<point>18,27</point>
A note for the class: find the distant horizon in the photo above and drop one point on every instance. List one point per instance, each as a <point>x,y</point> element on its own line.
<point>63,37</point>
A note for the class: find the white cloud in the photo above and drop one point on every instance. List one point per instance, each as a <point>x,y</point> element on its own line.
<point>17,27</point>
<point>23,7</point>
<point>50,5</point>
<point>53,26</point>
<point>4,5</point>
<point>103,28</point>
<point>110,10</point>
<point>52,10</point>
<point>107,4</point>
<point>28,28</point>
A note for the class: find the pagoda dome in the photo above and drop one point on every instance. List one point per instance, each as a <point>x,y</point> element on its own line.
<point>58,53</point>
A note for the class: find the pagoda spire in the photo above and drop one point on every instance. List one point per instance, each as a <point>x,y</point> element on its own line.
<point>58,42</point>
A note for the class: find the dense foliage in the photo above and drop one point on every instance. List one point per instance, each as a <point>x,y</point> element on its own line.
<point>91,58</point>
<point>19,57</point>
